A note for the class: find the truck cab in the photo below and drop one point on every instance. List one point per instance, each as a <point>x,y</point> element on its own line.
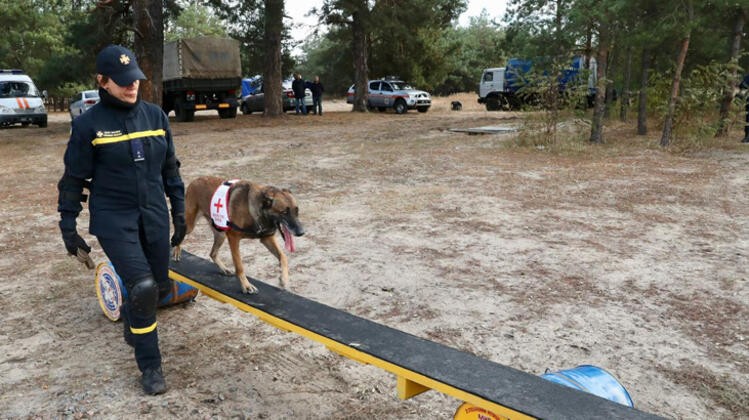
<point>492,87</point>
<point>20,100</point>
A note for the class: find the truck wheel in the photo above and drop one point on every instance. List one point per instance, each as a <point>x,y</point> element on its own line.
<point>400,106</point>
<point>381,108</point>
<point>423,109</point>
<point>182,114</point>
<point>492,104</point>
<point>228,112</point>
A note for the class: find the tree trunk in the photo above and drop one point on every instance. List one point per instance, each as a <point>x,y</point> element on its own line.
<point>731,86</point>
<point>361,69</point>
<point>642,103</point>
<point>610,69</point>
<point>624,104</point>
<point>272,79</point>
<point>669,122</point>
<point>149,46</point>
<point>596,126</point>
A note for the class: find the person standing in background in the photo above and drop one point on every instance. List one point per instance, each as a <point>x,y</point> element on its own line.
<point>317,89</point>
<point>298,86</point>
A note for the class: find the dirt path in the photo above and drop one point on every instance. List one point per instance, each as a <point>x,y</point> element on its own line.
<point>619,256</point>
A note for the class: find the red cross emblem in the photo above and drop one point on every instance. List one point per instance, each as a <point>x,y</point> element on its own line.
<point>218,205</point>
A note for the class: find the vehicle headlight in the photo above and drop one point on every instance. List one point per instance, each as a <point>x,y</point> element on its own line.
<point>6,110</point>
<point>40,110</point>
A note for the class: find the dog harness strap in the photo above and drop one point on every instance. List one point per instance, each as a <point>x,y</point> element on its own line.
<point>255,229</point>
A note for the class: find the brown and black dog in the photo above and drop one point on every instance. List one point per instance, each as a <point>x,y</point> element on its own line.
<point>255,212</point>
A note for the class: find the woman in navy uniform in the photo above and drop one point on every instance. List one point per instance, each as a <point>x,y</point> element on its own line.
<point>122,151</point>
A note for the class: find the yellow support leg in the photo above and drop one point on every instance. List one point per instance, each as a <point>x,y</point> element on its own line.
<point>408,388</point>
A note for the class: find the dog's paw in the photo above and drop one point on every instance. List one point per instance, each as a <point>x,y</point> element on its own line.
<point>252,290</point>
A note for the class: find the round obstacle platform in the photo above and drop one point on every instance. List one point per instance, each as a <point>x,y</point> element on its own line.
<point>111,292</point>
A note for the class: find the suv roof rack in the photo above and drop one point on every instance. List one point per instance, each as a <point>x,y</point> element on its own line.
<point>11,71</point>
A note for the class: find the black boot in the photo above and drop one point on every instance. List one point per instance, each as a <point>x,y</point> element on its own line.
<point>153,381</point>
<point>745,139</point>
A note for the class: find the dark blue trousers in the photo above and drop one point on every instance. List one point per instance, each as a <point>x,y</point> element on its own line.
<point>133,262</point>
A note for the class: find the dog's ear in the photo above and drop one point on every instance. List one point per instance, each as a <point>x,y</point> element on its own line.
<point>269,194</point>
<point>267,201</point>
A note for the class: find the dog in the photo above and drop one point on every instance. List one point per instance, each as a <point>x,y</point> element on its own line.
<point>456,105</point>
<point>250,211</point>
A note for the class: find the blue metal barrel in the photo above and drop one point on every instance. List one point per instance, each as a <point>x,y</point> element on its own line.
<point>593,380</point>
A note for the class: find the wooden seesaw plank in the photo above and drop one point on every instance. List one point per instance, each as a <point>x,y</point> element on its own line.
<point>419,364</point>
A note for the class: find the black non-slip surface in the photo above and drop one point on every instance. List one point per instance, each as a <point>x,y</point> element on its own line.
<point>508,387</point>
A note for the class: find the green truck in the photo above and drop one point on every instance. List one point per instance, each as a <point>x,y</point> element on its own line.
<point>200,74</point>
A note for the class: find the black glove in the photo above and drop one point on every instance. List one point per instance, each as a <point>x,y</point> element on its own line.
<point>180,228</point>
<point>73,241</point>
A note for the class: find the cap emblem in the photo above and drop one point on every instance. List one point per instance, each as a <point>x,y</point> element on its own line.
<point>124,59</point>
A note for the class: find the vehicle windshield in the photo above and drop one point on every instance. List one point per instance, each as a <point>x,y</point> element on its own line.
<point>401,86</point>
<point>16,88</point>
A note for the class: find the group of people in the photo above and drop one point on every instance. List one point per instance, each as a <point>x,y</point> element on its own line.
<point>300,86</point>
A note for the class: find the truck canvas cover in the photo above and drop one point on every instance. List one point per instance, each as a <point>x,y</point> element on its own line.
<point>202,58</point>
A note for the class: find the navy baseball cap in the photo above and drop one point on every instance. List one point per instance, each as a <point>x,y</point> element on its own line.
<point>119,64</point>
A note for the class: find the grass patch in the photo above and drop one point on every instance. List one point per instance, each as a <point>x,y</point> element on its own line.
<point>721,389</point>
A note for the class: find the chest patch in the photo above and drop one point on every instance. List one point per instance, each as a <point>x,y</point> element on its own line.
<point>220,205</point>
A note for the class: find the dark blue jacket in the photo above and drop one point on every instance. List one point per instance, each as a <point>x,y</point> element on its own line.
<point>124,192</point>
<point>316,89</point>
<point>298,86</point>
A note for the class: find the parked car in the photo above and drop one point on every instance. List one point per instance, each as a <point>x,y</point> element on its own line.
<point>82,102</point>
<point>20,101</point>
<point>393,93</point>
<point>253,98</point>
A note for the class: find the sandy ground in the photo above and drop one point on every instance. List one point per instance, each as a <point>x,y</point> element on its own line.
<point>621,256</point>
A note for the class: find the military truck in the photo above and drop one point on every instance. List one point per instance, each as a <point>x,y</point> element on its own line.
<point>199,74</point>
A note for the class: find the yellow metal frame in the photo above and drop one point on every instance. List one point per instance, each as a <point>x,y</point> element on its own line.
<point>409,383</point>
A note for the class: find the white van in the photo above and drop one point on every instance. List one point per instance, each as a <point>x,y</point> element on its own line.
<point>20,101</point>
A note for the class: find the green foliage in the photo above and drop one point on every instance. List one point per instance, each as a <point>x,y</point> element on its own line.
<point>469,51</point>
<point>32,34</point>
<point>193,21</point>
<point>407,38</point>
<point>326,58</point>
<point>245,21</point>
<point>442,59</point>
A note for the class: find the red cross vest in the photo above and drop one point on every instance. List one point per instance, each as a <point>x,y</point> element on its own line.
<point>220,205</point>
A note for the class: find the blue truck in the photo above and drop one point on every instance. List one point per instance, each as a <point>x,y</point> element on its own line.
<point>506,87</point>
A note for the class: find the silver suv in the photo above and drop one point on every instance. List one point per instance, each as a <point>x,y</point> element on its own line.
<point>392,93</point>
